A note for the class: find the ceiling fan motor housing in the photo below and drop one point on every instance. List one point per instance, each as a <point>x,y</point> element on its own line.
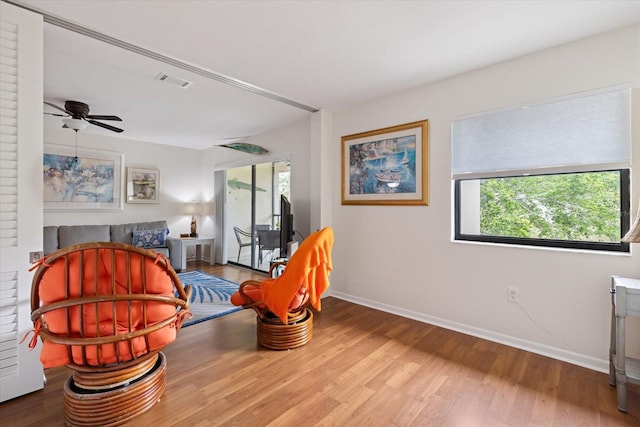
<point>78,110</point>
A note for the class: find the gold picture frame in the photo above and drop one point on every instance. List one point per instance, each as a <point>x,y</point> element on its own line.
<point>143,185</point>
<point>387,166</point>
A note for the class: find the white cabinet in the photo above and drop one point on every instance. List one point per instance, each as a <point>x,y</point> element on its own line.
<point>625,301</point>
<point>198,243</point>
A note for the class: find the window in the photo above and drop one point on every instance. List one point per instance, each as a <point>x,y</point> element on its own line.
<point>576,210</point>
<point>554,174</point>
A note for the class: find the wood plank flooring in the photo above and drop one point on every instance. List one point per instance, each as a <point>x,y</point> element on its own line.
<point>362,368</point>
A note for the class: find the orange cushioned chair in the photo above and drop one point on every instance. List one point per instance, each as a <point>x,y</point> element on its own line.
<point>105,310</point>
<point>284,320</point>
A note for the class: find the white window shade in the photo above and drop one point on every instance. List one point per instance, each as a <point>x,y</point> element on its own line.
<point>583,133</point>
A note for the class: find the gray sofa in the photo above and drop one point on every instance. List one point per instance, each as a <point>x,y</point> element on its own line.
<point>57,237</point>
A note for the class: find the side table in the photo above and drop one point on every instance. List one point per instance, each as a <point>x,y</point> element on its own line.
<point>185,242</point>
<point>625,301</point>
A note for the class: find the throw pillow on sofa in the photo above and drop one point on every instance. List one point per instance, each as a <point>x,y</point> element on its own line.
<point>150,238</point>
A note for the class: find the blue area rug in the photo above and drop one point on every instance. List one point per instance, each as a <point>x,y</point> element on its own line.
<point>211,296</point>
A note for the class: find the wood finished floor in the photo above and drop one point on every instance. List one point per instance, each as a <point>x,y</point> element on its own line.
<point>362,368</point>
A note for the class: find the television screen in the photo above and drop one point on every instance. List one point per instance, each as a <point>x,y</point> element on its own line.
<point>286,225</point>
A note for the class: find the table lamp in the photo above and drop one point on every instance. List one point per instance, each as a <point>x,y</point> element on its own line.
<point>193,209</point>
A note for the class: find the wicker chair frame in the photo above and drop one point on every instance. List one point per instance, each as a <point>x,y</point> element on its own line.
<point>271,332</point>
<point>107,393</point>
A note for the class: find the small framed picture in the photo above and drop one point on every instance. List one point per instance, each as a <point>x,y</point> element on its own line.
<point>143,185</point>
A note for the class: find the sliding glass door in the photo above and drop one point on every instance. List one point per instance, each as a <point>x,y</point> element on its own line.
<point>239,213</point>
<point>253,216</point>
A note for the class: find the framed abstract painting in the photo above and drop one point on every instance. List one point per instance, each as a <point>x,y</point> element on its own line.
<point>81,179</point>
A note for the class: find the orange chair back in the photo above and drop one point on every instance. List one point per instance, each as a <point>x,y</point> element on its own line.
<point>100,304</point>
<point>308,268</point>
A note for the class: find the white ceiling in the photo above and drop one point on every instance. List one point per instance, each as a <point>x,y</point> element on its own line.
<point>324,54</point>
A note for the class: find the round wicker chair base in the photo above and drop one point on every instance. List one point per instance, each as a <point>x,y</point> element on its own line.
<point>93,378</point>
<point>115,406</point>
<point>274,334</point>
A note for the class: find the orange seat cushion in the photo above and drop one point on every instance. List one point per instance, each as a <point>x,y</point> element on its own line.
<point>105,318</point>
<point>255,294</point>
<point>252,291</point>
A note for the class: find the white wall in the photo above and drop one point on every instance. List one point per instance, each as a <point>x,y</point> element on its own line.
<point>403,259</point>
<point>181,180</point>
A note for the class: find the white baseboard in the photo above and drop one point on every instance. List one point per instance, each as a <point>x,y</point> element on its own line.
<point>553,352</point>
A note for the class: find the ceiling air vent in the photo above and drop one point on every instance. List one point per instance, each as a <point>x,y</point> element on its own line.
<point>173,80</point>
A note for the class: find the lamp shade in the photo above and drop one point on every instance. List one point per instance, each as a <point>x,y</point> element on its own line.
<point>633,235</point>
<point>192,208</point>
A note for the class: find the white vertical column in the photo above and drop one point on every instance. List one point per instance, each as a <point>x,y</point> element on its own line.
<point>321,171</point>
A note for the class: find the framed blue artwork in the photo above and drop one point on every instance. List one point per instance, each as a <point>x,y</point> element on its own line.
<point>386,166</point>
<point>81,179</point>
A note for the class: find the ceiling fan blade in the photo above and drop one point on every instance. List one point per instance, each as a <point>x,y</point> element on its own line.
<point>99,117</point>
<point>103,125</point>
<point>56,107</point>
<point>57,115</point>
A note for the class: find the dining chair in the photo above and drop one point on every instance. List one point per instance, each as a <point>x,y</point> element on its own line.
<point>244,240</point>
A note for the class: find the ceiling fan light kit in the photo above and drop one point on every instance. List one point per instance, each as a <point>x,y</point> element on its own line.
<point>75,124</point>
<point>77,116</point>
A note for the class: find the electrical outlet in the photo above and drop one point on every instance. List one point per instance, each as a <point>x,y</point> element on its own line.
<point>35,256</point>
<point>514,294</point>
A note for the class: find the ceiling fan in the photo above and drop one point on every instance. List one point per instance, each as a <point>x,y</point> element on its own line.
<point>77,116</point>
